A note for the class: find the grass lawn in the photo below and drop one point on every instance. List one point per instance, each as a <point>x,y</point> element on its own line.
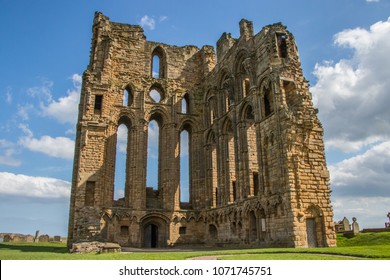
<point>363,246</point>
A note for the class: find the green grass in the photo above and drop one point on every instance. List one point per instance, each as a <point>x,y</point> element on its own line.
<point>363,246</point>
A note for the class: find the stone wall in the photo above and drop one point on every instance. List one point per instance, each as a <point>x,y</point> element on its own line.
<point>258,174</point>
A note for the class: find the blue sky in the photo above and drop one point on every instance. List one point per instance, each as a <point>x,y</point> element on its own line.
<point>344,47</point>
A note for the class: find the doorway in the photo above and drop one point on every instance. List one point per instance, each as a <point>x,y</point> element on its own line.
<point>151,236</point>
<point>311,232</point>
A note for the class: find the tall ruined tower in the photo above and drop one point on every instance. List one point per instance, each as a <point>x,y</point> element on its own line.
<point>257,169</point>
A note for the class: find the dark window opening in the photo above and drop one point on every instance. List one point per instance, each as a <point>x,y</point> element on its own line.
<point>267,105</point>
<point>98,104</point>
<point>90,193</point>
<point>246,87</point>
<point>255,183</point>
<point>234,190</point>
<point>249,114</point>
<point>182,230</point>
<point>124,230</point>
<point>282,45</point>
<point>217,197</point>
<point>127,97</point>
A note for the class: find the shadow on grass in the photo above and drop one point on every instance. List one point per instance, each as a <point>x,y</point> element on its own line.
<point>28,247</point>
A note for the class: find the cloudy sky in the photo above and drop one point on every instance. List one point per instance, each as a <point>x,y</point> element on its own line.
<point>345,53</point>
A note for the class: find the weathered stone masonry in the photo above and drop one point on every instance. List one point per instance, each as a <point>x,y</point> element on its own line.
<point>258,173</point>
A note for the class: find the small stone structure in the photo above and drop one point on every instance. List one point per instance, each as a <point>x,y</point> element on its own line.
<point>257,169</point>
<point>44,238</point>
<point>342,225</point>
<point>95,247</point>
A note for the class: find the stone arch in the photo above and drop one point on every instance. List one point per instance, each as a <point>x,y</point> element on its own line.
<point>128,95</point>
<point>211,111</point>
<point>213,232</point>
<point>267,97</point>
<point>158,113</point>
<point>186,104</point>
<point>185,163</point>
<point>211,168</point>
<point>154,230</point>
<point>229,158</point>
<point>159,52</point>
<point>252,226</point>
<point>315,234</point>
<point>154,169</point>
<point>248,151</point>
<point>226,87</point>
<point>241,74</point>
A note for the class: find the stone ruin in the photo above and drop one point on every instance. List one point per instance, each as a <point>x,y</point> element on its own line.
<point>28,238</point>
<point>347,229</point>
<point>257,169</point>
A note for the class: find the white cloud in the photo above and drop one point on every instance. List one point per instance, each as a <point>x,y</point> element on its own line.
<point>372,1</point>
<point>361,186</point>
<point>147,21</point>
<point>366,175</point>
<point>65,109</point>
<point>7,151</point>
<point>163,18</point>
<point>43,92</point>
<point>8,95</point>
<point>29,186</point>
<point>352,94</point>
<point>370,211</point>
<point>24,111</point>
<point>60,147</point>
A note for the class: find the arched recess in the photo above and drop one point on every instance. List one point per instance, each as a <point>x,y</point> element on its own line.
<point>315,235</point>
<point>128,96</point>
<point>158,63</point>
<point>122,156</point>
<point>242,77</point>
<point>250,146</point>
<point>153,166</point>
<point>154,231</point>
<point>227,92</point>
<point>213,233</point>
<point>252,227</point>
<point>211,110</point>
<point>267,102</point>
<point>229,157</point>
<point>211,169</point>
<point>185,104</point>
<point>185,165</point>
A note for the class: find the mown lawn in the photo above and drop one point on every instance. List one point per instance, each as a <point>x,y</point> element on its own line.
<point>363,246</point>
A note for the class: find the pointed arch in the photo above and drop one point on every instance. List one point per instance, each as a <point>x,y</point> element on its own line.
<point>185,139</point>
<point>128,96</point>
<point>229,158</point>
<point>158,63</point>
<point>185,104</point>
<point>211,169</point>
<point>267,102</point>
<point>249,147</point>
<point>226,97</point>
<point>241,74</point>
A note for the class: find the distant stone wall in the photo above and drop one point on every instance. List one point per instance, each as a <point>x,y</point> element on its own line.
<point>28,238</point>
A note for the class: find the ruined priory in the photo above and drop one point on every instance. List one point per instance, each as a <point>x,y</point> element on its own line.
<point>257,169</point>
